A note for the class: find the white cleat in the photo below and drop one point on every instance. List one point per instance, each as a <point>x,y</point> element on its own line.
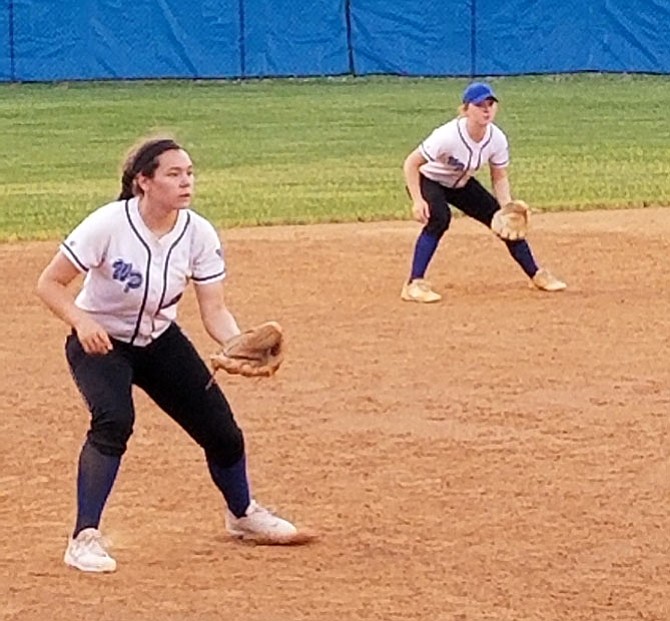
<point>263,527</point>
<point>419,290</point>
<point>546,281</point>
<point>88,552</point>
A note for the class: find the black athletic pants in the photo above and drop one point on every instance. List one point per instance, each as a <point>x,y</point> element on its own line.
<point>473,200</point>
<point>172,373</point>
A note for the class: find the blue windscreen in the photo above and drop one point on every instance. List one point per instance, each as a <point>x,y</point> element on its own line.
<point>295,38</point>
<point>405,37</point>
<point>48,40</point>
<point>547,36</point>
<point>59,40</point>
<point>6,50</point>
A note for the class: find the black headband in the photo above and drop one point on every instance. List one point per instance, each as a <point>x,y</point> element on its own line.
<point>149,154</point>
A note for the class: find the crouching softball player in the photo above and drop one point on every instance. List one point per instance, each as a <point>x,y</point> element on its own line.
<point>439,173</point>
<point>138,254</point>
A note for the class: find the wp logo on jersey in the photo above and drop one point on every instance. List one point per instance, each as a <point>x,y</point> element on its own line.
<point>455,163</point>
<point>123,272</point>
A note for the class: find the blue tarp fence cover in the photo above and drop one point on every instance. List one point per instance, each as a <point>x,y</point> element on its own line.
<point>50,40</point>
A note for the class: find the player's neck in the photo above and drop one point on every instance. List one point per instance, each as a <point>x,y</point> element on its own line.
<point>475,130</point>
<point>159,221</point>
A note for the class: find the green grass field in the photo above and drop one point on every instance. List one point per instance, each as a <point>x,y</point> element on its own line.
<point>281,151</point>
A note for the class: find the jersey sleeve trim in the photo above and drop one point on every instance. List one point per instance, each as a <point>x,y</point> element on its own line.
<point>213,278</point>
<point>74,259</point>
<point>425,153</point>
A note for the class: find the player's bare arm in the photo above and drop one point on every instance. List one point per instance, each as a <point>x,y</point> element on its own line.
<point>52,289</point>
<point>413,162</point>
<point>500,183</point>
<point>217,319</point>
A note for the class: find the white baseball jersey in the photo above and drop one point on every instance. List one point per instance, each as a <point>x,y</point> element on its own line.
<point>453,157</point>
<point>135,279</point>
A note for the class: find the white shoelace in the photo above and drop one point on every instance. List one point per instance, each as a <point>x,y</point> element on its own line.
<point>95,544</point>
<point>254,507</point>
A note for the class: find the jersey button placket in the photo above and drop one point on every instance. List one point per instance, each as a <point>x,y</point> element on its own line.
<point>153,295</point>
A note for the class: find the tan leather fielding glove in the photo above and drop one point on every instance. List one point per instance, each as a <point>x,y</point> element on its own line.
<point>257,352</point>
<point>511,220</point>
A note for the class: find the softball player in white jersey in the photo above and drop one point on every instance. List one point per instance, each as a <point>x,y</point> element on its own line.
<point>440,172</point>
<point>138,254</point>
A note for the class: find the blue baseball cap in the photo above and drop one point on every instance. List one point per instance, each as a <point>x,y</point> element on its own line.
<point>477,92</point>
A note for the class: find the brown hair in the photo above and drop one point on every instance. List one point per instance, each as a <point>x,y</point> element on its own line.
<point>143,159</point>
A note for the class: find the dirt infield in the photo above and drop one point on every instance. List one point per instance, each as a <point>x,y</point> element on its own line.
<point>502,455</point>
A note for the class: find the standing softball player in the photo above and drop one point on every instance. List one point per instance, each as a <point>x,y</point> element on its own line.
<point>439,173</point>
<point>138,254</point>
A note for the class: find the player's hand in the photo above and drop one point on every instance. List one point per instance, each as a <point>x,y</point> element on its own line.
<point>93,337</point>
<point>421,211</point>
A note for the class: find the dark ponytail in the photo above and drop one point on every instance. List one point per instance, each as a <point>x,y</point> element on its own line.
<point>143,160</point>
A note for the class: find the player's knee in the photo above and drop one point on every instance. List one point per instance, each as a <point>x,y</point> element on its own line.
<point>438,225</point>
<point>234,445</point>
<point>111,436</point>
<point>227,449</point>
